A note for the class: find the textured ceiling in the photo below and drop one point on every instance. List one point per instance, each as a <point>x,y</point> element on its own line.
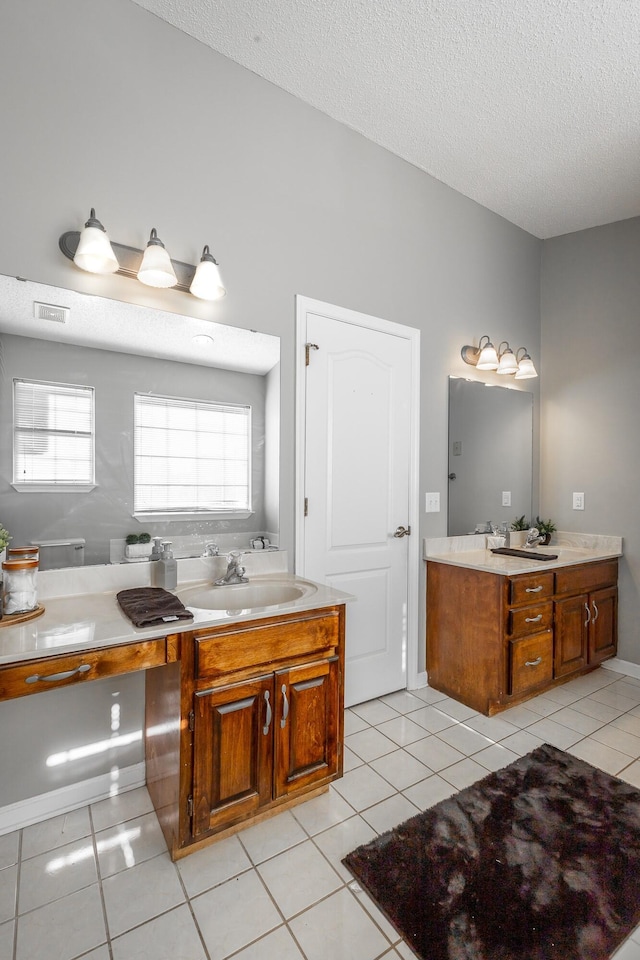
<point>530,107</point>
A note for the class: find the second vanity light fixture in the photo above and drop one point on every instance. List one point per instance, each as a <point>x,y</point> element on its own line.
<point>91,250</point>
<point>486,357</point>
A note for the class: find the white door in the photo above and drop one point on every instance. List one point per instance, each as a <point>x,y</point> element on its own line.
<point>357,486</point>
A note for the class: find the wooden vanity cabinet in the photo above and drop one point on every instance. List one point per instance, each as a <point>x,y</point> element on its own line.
<point>261,726</point>
<point>493,640</point>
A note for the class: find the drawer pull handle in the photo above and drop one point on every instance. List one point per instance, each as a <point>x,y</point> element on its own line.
<point>533,589</point>
<point>588,620</point>
<point>595,610</point>
<point>285,708</point>
<point>533,619</point>
<point>265,729</point>
<point>54,677</point>
<point>533,663</point>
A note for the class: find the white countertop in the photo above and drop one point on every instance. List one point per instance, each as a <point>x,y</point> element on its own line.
<point>92,620</point>
<point>570,549</point>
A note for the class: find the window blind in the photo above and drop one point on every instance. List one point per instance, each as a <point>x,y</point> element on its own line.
<point>53,433</point>
<point>191,456</point>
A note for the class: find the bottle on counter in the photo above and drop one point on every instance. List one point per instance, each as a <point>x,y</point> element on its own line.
<point>165,570</point>
<point>19,586</point>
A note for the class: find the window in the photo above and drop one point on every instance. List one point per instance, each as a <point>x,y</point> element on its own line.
<point>53,438</point>
<point>191,456</point>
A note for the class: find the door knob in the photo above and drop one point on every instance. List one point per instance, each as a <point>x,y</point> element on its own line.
<point>402,532</point>
<point>452,476</point>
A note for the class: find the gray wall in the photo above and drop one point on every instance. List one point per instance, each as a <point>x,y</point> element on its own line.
<point>106,512</point>
<point>590,390</point>
<point>290,202</point>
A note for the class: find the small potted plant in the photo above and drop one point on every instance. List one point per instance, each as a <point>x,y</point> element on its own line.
<point>545,529</point>
<point>4,540</point>
<point>520,523</point>
<point>137,546</point>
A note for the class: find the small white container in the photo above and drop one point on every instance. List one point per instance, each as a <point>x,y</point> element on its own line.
<point>19,587</point>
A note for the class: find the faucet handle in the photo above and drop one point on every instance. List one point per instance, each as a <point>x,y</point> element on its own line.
<point>211,549</point>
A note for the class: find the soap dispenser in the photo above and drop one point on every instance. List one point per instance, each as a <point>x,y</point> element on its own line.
<point>156,550</point>
<point>166,569</point>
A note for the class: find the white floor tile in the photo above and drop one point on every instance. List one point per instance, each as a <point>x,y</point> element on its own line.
<point>432,719</point>
<point>522,743</point>
<point>272,836</point>
<point>213,865</point>
<point>338,928</point>
<point>122,807</point>
<point>322,812</point>
<point>456,710</point>
<point>429,792</point>
<point>371,743</point>
<point>388,814</point>
<point>554,733</point>
<point>7,932</point>
<point>55,832</point>
<point>69,927</point>
<point>9,844</point>
<point>464,739</point>
<point>173,936</point>
<point>600,755</point>
<point>631,774</point>
<point>496,728</point>
<point>363,787</point>
<point>403,730</point>
<point>628,723</point>
<point>278,945</point>
<point>8,893</point>
<point>619,740</point>
<point>353,723</point>
<point>600,711</point>
<point>145,891</point>
<point>122,846</point>
<point>495,757</point>
<point>235,914</point>
<point>374,711</point>
<point>56,873</point>
<point>402,701</point>
<point>577,721</point>
<point>434,753</point>
<point>313,877</point>
<point>463,774</point>
<point>401,769</point>
<point>429,695</point>
<point>350,760</point>
<point>608,696</point>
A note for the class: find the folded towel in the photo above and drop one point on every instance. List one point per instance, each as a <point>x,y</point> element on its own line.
<point>146,606</point>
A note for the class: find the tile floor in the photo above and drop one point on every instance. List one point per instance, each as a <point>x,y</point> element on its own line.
<point>98,883</point>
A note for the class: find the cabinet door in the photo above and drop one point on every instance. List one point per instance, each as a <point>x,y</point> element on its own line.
<point>307,725</point>
<point>572,618</point>
<point>603,605</point>
<point>232,753</point>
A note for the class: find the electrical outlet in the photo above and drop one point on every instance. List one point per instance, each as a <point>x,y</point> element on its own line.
<point>506,498</point>
<point>578,501</point>
<point>432,503</point>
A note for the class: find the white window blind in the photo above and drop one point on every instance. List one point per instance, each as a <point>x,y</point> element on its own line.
<point>191,456</point>
<point>53,433</point>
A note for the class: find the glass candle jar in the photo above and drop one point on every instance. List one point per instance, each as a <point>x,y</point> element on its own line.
<point>23,553</point>
<point>19,588</point>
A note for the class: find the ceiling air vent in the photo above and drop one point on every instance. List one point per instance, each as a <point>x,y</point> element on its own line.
<point>49,311</point>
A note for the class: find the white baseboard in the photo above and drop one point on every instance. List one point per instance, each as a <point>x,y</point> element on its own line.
<point>52,804</point>
<point>623,666</point>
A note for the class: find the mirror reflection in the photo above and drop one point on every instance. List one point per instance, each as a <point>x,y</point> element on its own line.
<point>52,339</point>
<point>490,461</point>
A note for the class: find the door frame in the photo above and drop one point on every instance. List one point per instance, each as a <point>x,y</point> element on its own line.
<point>304,305</point>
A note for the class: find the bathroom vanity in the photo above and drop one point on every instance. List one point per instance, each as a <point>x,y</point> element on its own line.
<point>243,708</point>
<point>502,629</point>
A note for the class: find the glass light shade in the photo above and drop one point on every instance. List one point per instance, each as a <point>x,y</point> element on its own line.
<point>526,369</point>
<point>94,252</point>
<point>206,283</point>
<point>488,359</point>
<point>508,363</point>
<point>156,269</point>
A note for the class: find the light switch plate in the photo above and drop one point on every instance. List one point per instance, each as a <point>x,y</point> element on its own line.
<point>506,498</point>
<point>432,503</point>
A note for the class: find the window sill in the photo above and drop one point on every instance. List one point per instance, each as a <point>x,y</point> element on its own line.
<point>54,487</point>
<point>197,515</point>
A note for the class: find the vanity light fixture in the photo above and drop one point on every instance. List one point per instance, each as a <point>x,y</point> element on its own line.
<point>91,250</point>
<point>485,357</point>
<point>206,284</point>
<point>526,369</point>
<point>156,269</point>
<point>94,252</point>
<point>507,363</point>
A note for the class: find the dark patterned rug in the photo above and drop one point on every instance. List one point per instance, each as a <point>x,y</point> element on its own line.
<point>538,861</point>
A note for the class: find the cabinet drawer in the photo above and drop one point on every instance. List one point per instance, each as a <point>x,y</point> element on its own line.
<point>530,587</point>
<point>586,577</point>
<point>251,645</point>
<point>526,620</point>
<point>531,663</point>
<point>36,676</point>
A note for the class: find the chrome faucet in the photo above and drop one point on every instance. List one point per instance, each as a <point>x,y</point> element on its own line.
<point>210,550</point>
<point>533,538</point>
<point>235,571</point>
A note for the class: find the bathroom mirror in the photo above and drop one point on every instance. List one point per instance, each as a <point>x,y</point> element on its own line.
<point>490,462</point>
<point>119,349</point>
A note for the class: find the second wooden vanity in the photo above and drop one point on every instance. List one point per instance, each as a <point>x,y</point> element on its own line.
<point>495,639</point>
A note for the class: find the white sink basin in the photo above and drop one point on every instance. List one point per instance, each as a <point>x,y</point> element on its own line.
<point>262,592</point>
